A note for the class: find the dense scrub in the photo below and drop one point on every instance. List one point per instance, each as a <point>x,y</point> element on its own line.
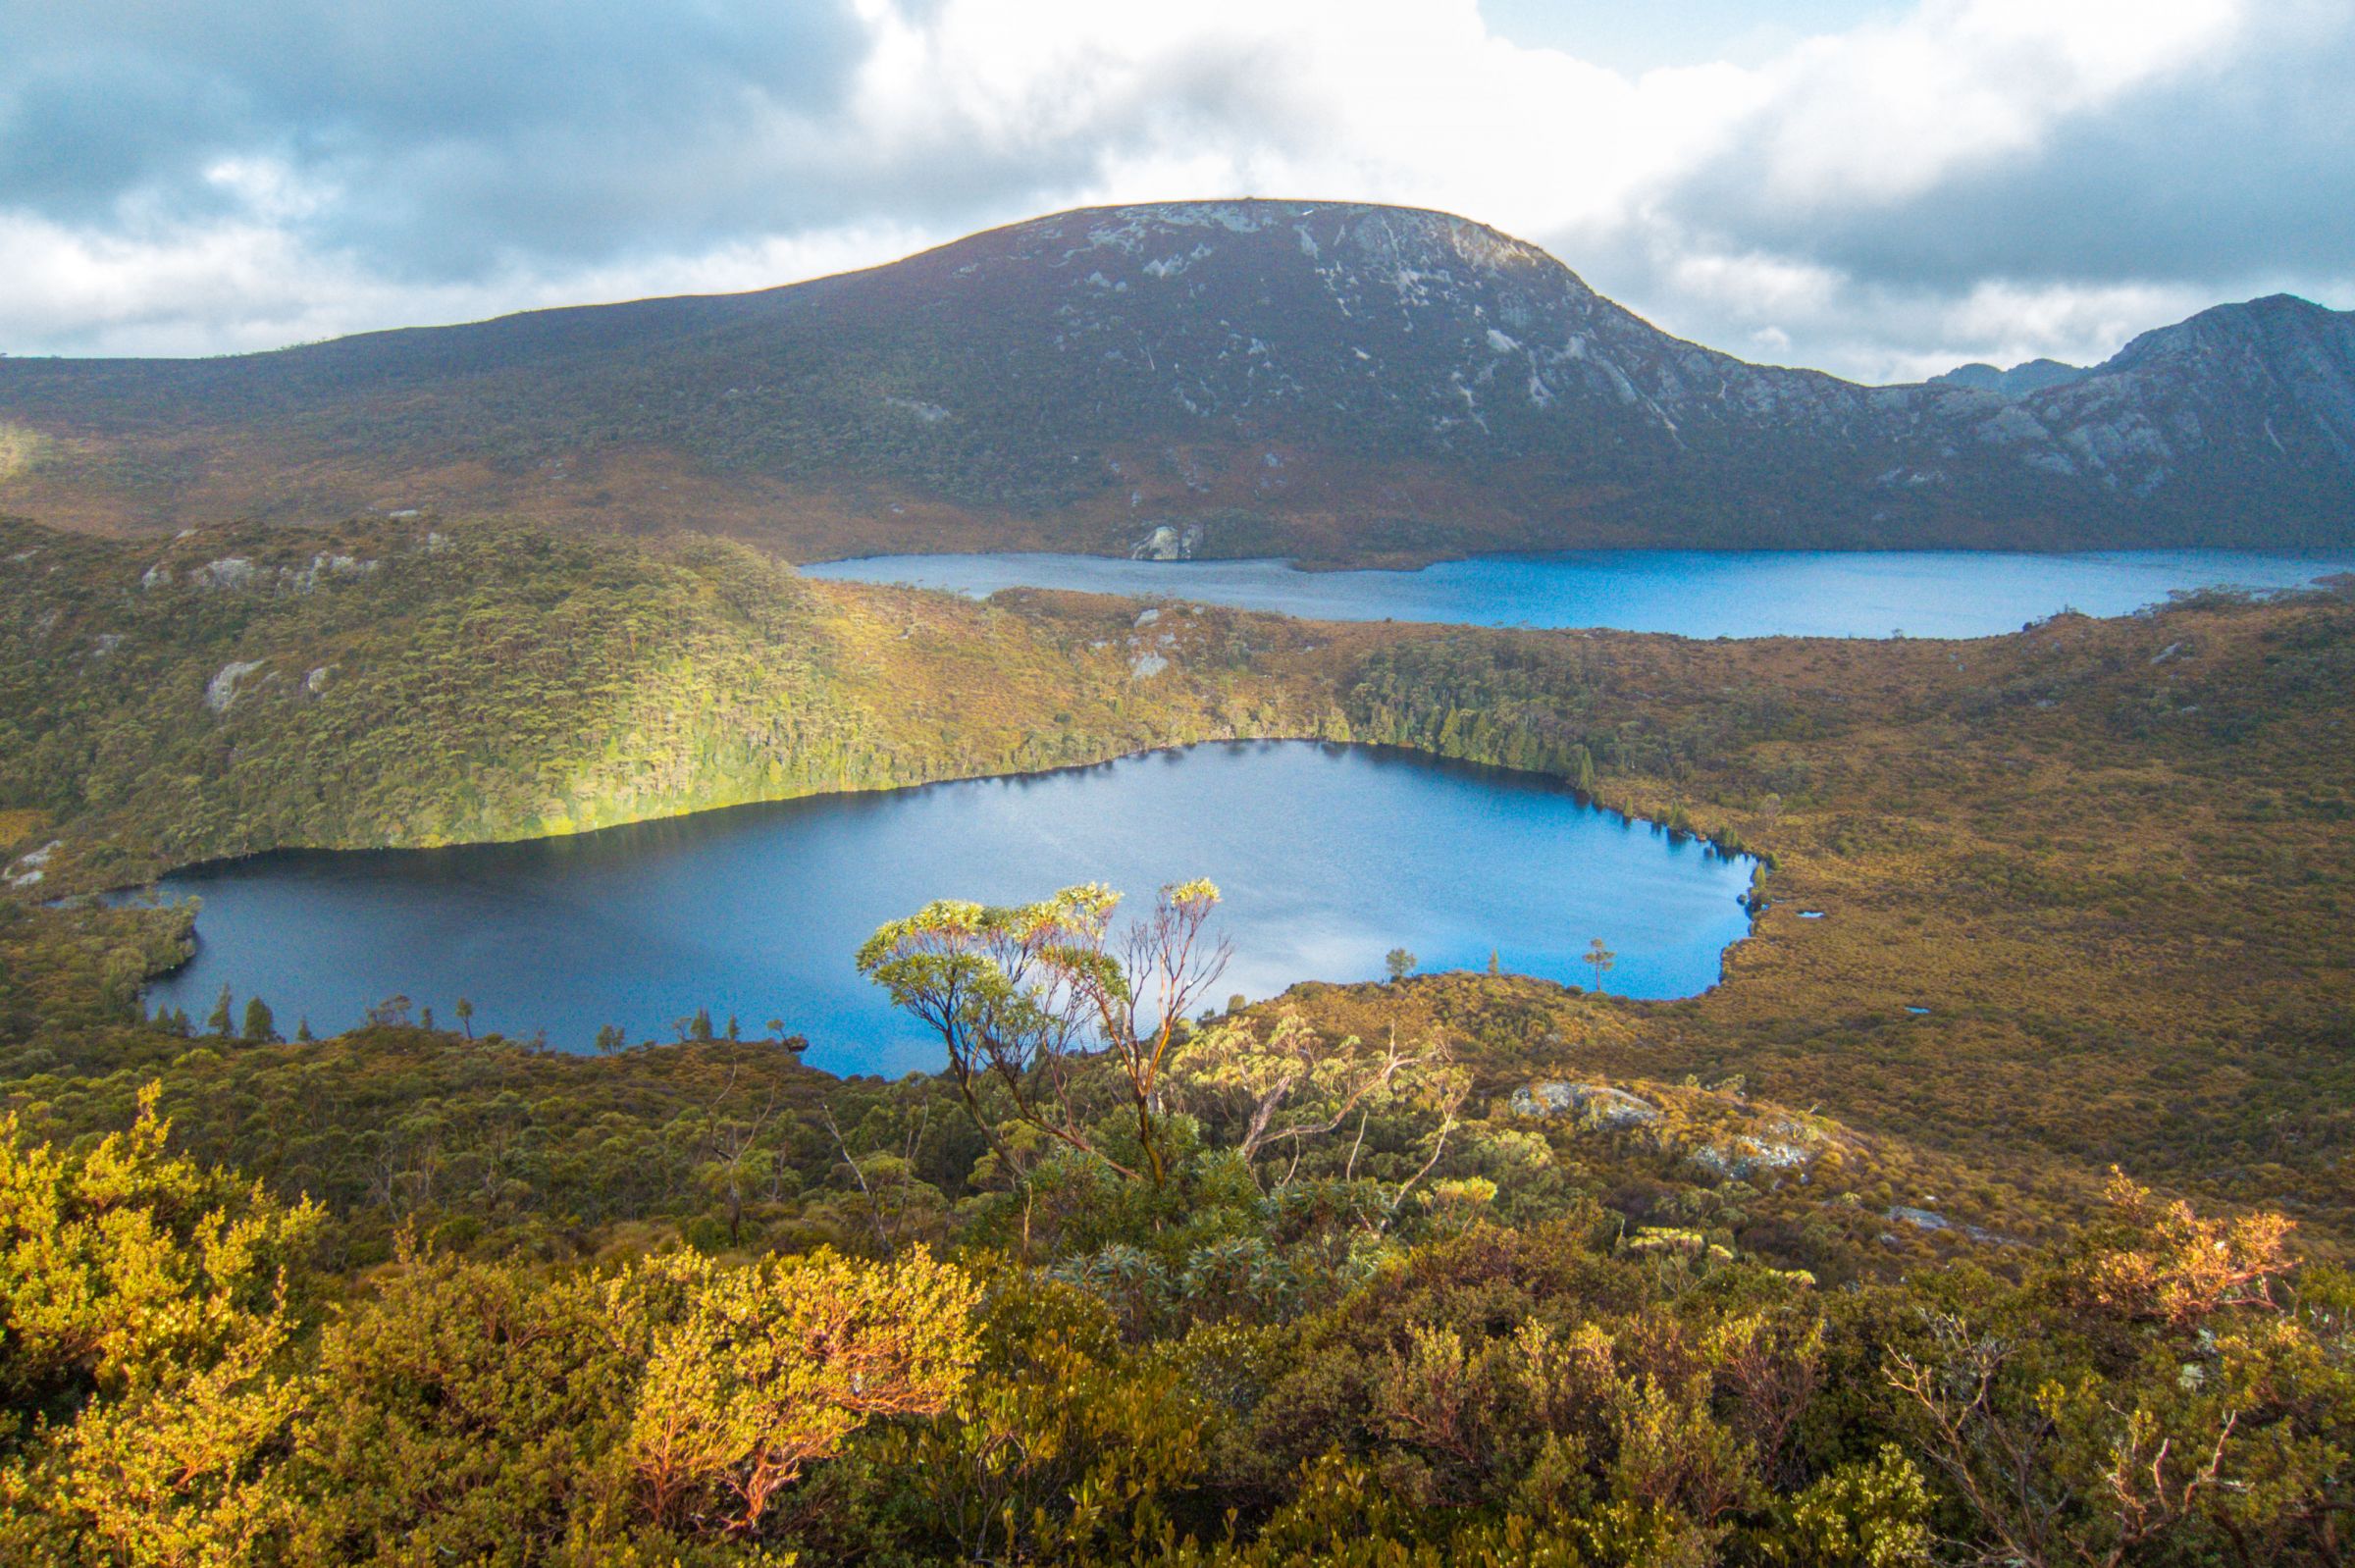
<point>1827,1264</point>
<point>698,1305</point>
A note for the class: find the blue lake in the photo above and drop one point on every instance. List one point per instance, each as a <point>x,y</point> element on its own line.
<point>1329,858</point>
<point>1691,593</point>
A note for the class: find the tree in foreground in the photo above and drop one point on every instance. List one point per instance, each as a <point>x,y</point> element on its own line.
<point>1023,995</point>
<point>751,1373</point>
<point>1602,959</point>
<point>148,1353</point>
<point>1281,1092</point>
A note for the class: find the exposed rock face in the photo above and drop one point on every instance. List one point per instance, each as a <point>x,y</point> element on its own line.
<point>222,690</point>
<point>1932,1220</point>
<point>1782,1144</point>
<point>237,574</point>
<point>31,866</point>
<point>1598,1104</point>
<point>230,574</point>
<point>1742,1158</point>
<point>1161,545</point>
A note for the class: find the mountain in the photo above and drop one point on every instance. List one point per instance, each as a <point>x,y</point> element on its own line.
<point>1337,382</point>
<point>2033,375</point>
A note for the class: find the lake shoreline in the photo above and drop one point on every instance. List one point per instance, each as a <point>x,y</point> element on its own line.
<point>534,928</point>
<point>1414,560</point>
<point>124,893</point>
<point>1737,596</point>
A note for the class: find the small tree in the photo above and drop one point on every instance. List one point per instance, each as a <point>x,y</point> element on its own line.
<point>1398,963</point>
<point>465,1012</point>
<point>393,1012</point>
<point>1294,1086</point>
<point>303,1031</point>
<point>1496,960</point>
<point>260,1027</point>
<point>222,1022</point>
<point>609,1039</point>
<point>1020,994</point>
<point>425,1019</point>
<point>1600,959</point>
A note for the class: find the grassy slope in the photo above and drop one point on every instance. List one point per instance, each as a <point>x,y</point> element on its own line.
<point>2117,881</point>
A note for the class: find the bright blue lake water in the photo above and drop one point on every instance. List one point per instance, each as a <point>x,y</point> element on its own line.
<point>1691,593</point>
<point>1329,858</point>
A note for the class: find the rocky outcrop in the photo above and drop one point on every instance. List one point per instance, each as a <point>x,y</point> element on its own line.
<point>238,575</point>
<point>227,575</point>
<point>31,866</point>
<point>1933,1220</point>
<point>222,690</point>
<point>1782,1143</point>
<point>1167,544</point>
<point>1596,1104</point>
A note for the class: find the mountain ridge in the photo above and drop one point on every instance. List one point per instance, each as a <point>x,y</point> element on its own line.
<point>1338,382</point>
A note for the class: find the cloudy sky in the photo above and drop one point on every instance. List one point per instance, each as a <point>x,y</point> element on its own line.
<point>1880,190</point>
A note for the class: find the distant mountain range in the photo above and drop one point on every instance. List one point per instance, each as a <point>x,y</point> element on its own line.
<point>1336,382</point>
<point>2033,375</point>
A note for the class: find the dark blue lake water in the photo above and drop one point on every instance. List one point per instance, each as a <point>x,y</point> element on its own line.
<point>1329,858</point>
<point>1691,593</point>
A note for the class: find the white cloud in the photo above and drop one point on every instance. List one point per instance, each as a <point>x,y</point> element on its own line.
<point>1891,109</point>
<point>1707,198</point>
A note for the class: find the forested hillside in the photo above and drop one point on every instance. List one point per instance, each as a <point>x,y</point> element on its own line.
<point>390,683</point>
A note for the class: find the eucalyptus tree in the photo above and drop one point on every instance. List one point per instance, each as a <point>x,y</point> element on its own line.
<point>1029,997</point>
<point>1602,959</point>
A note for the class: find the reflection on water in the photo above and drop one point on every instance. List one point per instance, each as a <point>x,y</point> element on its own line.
<point>1329,858</point>
<point>1691,593</point>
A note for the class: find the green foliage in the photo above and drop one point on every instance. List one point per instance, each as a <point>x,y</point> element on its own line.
<point>1016,994</point>
<point>260,1027</point>
<point>145,1353</point>
<point>383,683</point>
<point>164,1403</point>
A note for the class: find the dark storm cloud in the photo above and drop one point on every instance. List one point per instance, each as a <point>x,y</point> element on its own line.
<point>450,129</point>
<point>450,137</point>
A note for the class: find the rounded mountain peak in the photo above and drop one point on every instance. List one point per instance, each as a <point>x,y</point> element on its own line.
<point>1168,239</point>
